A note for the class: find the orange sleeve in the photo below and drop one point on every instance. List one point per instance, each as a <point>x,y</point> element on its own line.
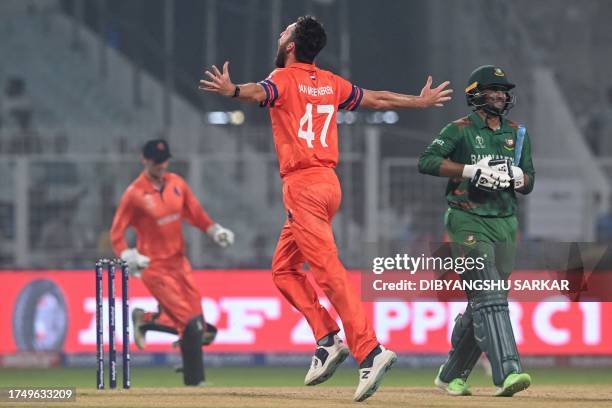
<point>193,211</point>
<point>349,95</point>
<point>274,85</point>
<point>121,222</point>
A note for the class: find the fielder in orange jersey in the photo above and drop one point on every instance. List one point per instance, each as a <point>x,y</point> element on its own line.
<point>155,205</point>
<point>303,102</point>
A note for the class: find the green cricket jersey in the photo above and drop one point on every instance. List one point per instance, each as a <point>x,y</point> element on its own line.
<point>467,141</point>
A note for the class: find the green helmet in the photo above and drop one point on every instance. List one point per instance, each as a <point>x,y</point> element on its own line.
<point>488,77</point>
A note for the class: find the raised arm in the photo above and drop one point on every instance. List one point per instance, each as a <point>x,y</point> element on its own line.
<point>221,83</point>
<point>429,97</point>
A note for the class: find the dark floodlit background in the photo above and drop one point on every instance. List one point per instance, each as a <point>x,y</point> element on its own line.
<point>83,84</point>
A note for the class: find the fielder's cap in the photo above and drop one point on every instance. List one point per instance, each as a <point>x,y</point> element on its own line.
<point>156,150</point>
<point>488,76</point>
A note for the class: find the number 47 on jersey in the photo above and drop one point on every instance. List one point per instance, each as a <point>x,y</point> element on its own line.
<point>308,134</point>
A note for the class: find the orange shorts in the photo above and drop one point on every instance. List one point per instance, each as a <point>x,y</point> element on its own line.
<point>311,198</point>
<point>171,283</point>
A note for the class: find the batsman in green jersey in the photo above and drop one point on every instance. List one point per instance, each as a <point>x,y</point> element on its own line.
<point>488,160</point>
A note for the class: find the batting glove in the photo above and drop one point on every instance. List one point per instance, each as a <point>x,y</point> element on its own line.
<point>514,172</point>
<point>136,261</point>
<point>518,177</point>
<point>221,235</point>
<point>485,177</point>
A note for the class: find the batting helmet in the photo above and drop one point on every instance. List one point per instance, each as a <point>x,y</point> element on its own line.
<point>489,77</point>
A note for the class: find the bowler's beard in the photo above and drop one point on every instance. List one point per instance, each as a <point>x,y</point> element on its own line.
<point>281,58</point>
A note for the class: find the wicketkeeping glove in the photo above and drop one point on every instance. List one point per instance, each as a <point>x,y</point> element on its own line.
<point>221,235</point>
<point>136,261</point>
<point>485,177</point>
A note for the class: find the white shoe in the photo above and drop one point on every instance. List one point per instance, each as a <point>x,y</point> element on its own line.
<point>438,382</point>
<point>137,322</point>
<point>325,361</point>
<point>370,377</point>
<point>455,388</point>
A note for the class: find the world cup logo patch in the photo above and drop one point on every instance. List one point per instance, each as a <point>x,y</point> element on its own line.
<point>479,142</point>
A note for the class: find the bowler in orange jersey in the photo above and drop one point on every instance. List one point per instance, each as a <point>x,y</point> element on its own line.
<point>155,205</point>
<point>303,101</point>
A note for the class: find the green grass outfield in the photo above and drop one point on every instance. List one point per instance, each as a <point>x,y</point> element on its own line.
<point>279,376</point>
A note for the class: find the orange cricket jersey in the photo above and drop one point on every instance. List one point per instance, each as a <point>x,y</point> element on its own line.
<point>157,216</point>
<point>303,101</point>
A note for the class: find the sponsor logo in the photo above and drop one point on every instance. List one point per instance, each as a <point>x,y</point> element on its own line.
<point>263,320</point>
<point>168,219</point>
<point>438,141</point>
<point>177,191</point>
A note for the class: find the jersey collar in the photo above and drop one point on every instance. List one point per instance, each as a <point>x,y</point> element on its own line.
<point>147,184</point>
<point>303,66</point>
<point>481,124</point>
<point>477,120</point>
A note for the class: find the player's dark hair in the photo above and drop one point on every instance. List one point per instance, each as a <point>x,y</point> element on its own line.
<point>309,38</point>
